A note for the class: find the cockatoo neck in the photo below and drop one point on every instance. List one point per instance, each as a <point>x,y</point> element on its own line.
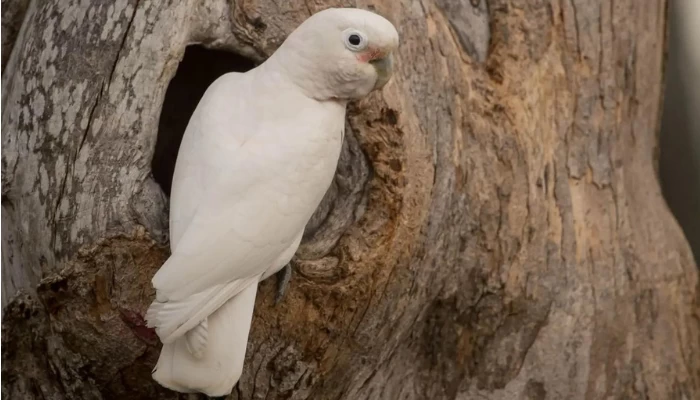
<point>293,69</point>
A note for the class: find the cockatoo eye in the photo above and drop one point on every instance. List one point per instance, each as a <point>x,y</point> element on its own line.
<point>354,40</point>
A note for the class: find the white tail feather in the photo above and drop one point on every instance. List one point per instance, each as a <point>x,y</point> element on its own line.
<point>172,319</point>
<point>196,339</point>
<point>218,369</point>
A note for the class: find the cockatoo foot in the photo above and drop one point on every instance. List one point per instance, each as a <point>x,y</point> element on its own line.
<point>283,277</point>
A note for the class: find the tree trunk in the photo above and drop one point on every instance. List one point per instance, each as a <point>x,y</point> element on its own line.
<point>496,229</point>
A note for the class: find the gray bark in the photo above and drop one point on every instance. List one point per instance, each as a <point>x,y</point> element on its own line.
<point>496,229</point>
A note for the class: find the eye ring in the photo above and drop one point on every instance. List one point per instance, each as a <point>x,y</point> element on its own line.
<point>354,40</point>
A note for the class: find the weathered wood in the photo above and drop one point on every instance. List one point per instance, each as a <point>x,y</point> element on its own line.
<point>496,230</point>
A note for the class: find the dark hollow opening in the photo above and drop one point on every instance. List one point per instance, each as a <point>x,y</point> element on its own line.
<point>197,70</point>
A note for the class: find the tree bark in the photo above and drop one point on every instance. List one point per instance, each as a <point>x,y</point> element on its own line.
<point>496,229</point>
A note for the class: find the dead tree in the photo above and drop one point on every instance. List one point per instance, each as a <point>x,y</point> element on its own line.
<point>496,229</point>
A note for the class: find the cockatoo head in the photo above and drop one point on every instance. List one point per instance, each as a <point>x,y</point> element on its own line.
<point>340,53</point>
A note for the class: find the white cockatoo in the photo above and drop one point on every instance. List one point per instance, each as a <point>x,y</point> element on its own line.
<point>257,157</point>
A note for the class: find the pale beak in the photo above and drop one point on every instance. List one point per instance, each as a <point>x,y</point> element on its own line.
<point>384,67</point>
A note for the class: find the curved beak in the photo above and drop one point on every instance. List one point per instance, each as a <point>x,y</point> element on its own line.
<point>384,66</point>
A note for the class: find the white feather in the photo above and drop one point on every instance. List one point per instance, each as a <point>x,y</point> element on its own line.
<point>219,367</point>
<point>174,318</point>
<point>196,339</point>
<point>246,200</point>
<point>239,205</point>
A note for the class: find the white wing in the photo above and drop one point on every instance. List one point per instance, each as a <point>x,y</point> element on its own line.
<point>200,149</point>
<point>225,223</point>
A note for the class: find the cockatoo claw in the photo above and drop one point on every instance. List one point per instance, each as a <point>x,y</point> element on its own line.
<point>283,277</point>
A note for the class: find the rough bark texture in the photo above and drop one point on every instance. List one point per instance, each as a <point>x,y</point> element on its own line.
<point>496,230</point>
